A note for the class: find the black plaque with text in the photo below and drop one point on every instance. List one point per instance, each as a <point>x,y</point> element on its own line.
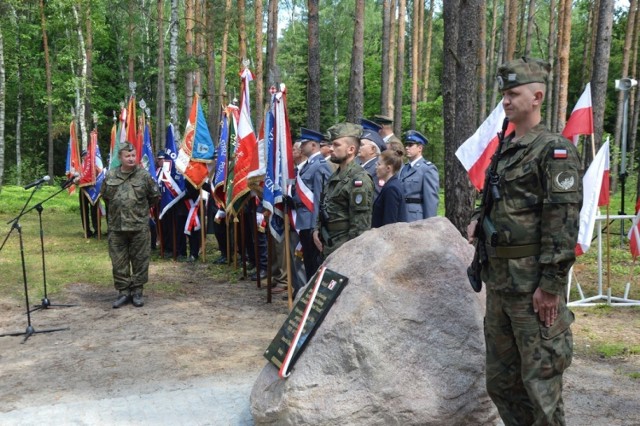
<point>328,290</point>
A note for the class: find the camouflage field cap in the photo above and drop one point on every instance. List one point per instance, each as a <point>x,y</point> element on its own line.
<point>522,71</point>
<point>126,147</point>
<point>342,130</point>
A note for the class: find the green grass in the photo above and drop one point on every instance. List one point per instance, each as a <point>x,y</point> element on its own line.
<point>610,350</point>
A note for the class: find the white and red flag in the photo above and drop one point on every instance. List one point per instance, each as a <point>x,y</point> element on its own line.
<point>634,237</point>
<point>581,120</point>
<point>591,193</point>
<point>476,152</point>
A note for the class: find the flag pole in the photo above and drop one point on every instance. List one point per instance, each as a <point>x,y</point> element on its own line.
<point>287,248</point>
<point>593,146</point>
<point>608,257</point>
<point>203,235</point>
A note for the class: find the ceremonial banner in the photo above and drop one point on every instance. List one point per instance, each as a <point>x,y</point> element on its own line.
<point>197,148</point>
<point>73,166</point>
<point>148,158</point>
<point>120,138</point>
<point>171,182</point>
<point>305,318</point>
<point>93,192</point>
<point>132,128</point>
<point>88,174</point>
<point>581,120</point>
<point>220,176</point>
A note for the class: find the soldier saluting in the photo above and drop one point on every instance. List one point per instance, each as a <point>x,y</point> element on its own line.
<point>536,197</point>
<point>347,199</point>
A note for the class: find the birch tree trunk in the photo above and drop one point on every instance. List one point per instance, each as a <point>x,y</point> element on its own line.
<point>84,132</point>
<point>89,56</point>
<point>259,60</point>
<point>130,40</point>
<point>397,107</point>
<point>47,68</point>
<point>355,103</point>
<point>313,66</point>
<point>174,29</point>
<point>18,134</point>
<point>161,135</point>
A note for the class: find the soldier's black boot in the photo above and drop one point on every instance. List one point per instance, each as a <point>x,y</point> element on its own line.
<point>123,299</point>
<point>137,299</point>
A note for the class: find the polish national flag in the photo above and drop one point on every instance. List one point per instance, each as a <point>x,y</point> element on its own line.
<point>475,153</point>
<point>634,237</point>
<point>603,199</point>
<point>581,119</point>
<point>592,184</point>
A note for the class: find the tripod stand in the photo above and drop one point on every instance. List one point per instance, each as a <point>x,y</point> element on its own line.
<point>46,303</point>
<point>16,225</point>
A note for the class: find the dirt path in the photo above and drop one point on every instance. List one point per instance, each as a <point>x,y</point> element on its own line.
<point>213,328</point>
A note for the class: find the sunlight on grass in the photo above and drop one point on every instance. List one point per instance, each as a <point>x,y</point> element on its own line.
<point>609,350</point>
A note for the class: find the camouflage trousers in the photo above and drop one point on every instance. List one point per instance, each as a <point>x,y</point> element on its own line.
<point>525,359</point>
<point>130,252</point>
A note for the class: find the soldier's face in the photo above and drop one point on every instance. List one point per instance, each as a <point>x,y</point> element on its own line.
<point>520,101</point>
<point>128,159</point>
<point>341,150</point>
<point>414,150</point>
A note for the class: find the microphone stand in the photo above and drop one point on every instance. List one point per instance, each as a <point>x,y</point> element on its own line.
<point>46,303</point>
<point>16,225</point>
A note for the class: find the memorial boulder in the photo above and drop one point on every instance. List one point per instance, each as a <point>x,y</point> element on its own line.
<point>402,345</point>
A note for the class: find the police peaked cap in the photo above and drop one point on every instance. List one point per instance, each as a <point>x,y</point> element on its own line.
<point>374,137</point>
<point>307,135</point>
<point>413,136</point>
<point>370,125</point>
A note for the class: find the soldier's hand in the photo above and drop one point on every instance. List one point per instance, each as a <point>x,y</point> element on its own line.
<point>471,231</point>
<point>546,306</point>
<point>316,241</point>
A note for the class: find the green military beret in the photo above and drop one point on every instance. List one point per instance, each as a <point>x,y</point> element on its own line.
<point>342,130</point>
<point>522,71</point>
<point>126,147</point>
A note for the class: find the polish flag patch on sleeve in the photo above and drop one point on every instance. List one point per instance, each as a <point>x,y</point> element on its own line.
<point>559,153</point>
<point>357,183</point>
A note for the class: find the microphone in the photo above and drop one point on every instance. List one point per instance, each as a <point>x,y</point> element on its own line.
<point>69,181</point>
<point>38,182</point>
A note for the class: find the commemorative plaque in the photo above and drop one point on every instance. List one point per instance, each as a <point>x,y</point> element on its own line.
<point>306,316</point>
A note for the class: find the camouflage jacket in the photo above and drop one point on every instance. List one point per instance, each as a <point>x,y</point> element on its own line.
<point>346,206</point>
<point>540,198</point>
<point>129,196</point>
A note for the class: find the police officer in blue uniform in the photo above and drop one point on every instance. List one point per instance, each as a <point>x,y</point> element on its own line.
<point>419,179</point>
<point>314,174</point>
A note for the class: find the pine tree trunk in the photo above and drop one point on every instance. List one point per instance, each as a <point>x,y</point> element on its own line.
<point>493,59</point>
<point>2,99</point>
<point>242,33</point>
<point>600,74</point>
<point>47,67</point>
<point>635,102</point>
<point>552,37</point>
<point>189,76</point>
<point>131,41</point>
<point>222,89</point>
<point>427,61</point>
<point>512,33</point>
<point>199,30</point>
<point>161,136</point>
<point>462,36</point>
<point>530,16</point>
<point>355,103</point>
<point>421,51</point>
<point>563,64</point>
<point>213,114</point>
<point>259,60</point>
<point>273,74</point>
<point>313,82</point>
<point>18,134</point>
<point>399,79</point>
<point>386,48</point>
<point>392,52</point>
<point>174,29</point>
<point>415,24</point>
<point>482,65</point>
<point>89,55</point>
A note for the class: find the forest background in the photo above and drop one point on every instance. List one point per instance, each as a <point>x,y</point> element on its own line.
<point>429,64</point>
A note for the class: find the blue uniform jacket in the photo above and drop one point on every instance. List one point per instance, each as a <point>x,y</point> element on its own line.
<point>421,185</point>
<point>314,174</point>
<point>389,206</point>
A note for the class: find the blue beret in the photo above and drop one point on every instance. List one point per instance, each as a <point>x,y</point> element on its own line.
<point>413,136</point>
<point>370,125</point>
<point>310,135</point>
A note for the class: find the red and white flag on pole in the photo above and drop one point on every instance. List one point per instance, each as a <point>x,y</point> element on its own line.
<point>475,153</point>
<point>592,186</point>
<point>634,237</point>
<point>581,120</point>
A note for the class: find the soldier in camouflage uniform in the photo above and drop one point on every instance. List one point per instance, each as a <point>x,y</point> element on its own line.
<point>129,192</point>
<point>347,198</point>
<point>536,218</point>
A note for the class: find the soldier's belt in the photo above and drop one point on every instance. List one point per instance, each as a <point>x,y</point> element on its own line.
<point>342,225</point>
<point>413,200</point>
<point>513,252</point>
